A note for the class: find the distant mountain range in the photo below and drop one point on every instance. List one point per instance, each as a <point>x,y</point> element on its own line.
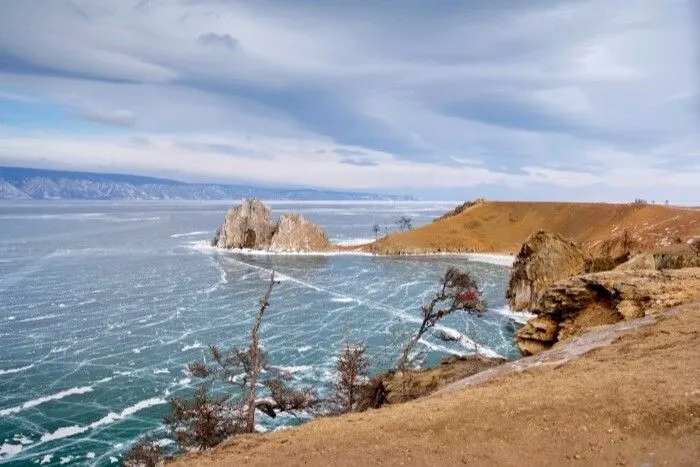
<point>24,184</point>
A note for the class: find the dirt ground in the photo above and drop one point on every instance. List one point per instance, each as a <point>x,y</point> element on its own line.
<point>634,402</point>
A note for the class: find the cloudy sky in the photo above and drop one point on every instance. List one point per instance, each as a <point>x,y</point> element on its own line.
<point>537,99</point>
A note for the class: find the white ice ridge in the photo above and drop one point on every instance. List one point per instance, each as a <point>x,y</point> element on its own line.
<point>44,399</point>
<point>517,316</point>
<point>111,417</point>
<point>15,370</point>
<point>190,234</point>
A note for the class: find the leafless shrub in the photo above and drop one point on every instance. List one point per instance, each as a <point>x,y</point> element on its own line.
<point>458,291</point>
<point>205,421</point>
<point>404,223</point>
<point>290,399</point>
<point>353,373</point>
<point>695,246</point>
<point>145,453</point>
<point>371,395</point>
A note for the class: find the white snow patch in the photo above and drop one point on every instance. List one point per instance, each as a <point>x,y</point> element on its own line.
<point>22,439</point>
<point>353,241</point>
<point>9,450</point>
<point>46,459</point>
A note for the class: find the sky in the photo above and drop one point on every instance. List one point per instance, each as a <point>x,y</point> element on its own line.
<point>505,99</point>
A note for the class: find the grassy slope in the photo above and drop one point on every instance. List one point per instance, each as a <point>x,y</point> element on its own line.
<point>633,402</point>
<point>502,227</point>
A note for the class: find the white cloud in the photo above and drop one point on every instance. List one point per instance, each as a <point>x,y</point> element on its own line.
<point>574,93</point>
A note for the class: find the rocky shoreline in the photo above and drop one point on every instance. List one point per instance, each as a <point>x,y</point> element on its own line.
<point>582,299</point>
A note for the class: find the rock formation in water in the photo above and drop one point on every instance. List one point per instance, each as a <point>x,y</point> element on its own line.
<point>571,306</point>
<point>250,226</point>
<point>295,233</point>
<point>246,226</point>
<point>543,259</point>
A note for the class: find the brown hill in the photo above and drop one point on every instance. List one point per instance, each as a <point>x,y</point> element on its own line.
<point>503,226</point>
<point>633,402</point>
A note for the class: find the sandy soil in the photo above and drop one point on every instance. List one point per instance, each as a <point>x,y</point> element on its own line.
<point>634,402</point>
<point>504,226</point>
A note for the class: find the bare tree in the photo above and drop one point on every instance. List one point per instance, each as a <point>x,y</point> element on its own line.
<point>376,228</point>
<point>353,374</point>
<point>404,223</point>
<point>458,291</point>
<point>256,360</point>
<point>206,421</point>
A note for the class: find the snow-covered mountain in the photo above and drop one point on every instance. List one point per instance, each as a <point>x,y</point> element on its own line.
<point>23,183</point>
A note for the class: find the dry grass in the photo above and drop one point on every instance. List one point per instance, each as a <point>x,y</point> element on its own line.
<point>634,402</point>
<point>502,227</point>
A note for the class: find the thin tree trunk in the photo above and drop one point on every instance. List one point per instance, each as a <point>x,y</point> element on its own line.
<point>255,356</point>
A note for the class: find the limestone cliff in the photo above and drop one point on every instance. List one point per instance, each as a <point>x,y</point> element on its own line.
<point>543,259</point>
<point>571,306</point>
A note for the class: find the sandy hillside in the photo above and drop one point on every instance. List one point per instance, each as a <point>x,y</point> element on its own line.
<point>503,227</point>
<point>635,402</point>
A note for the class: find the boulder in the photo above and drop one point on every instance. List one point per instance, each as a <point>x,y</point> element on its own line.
<point>574,305</point>
<point>246,226</point>
<point>637,262</point>
<point>537,335</point>
<point>294,233</point>
<point>543,259</point>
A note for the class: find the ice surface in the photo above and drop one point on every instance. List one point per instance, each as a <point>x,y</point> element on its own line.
<point>101,314</point>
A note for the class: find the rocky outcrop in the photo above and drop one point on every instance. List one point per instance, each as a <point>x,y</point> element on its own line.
<point>246,226</point>
<point>665,260</point>
<point>294,233</point>
<point>572,306</point>
<point>543,259</point>
<point>638,262</point>
<point>250,226</point>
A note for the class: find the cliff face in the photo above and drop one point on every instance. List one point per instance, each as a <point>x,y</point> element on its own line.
<point>544,258</point>
<point>250,226</point>
<point>569,307</point>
